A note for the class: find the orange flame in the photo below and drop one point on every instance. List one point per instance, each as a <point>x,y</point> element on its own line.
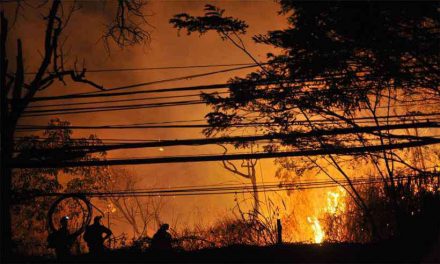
<point>335,205</point>
<point>317,229</point>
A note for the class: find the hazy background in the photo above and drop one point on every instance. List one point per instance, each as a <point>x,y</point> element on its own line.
<point>167,48</point>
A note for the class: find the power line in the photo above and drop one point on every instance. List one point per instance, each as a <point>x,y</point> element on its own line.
<point>131,106</point>
<point>232,189</point>
<point>16,163</point>
<point>296,81</point>
<point>369,142</point>
<point>236,190</point>
<point>108,141</point>
<point>163,90</point>
<point>108,108</point>
<point>111,70</point>
<point>197,126</point>
<point>227,140</point>
<point>180,78</point>
<point>120,140</point>
<point>117,101</point>
<point>164,97</point>
<point>33,113</point>
<point>100,94</point>
<point>151,125</point>
<point>44,127</point>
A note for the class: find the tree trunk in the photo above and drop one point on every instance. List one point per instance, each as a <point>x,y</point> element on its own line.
<point>6,153</point>
<point>253,178</point>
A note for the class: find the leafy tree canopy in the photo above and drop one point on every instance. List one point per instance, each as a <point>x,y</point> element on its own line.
<point>334,56</point>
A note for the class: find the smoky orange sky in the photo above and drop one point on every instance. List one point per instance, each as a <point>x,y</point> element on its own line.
<point>167,48</point>
<point>83,43</point>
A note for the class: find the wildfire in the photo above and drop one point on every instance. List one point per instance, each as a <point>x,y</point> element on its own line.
<point>335,205</point>
<point>335,202</point>
<point>317,229</point>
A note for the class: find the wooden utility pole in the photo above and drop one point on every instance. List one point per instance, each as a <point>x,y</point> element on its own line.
<point>279,232</point>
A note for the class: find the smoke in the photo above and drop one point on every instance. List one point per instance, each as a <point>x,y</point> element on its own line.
<point>83,45</point>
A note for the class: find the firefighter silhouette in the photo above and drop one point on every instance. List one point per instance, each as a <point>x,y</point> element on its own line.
<point>94,236</point>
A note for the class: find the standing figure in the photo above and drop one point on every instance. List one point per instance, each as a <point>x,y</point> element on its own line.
<point>93,236</point>
<point>61,240</point>
<point>162,239</point>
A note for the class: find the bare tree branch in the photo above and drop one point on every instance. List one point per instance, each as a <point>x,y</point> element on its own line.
<point>128,26</point>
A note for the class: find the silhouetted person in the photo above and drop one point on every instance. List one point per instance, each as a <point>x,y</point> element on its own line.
<point>61,240</point>
<point>162,239</point>
<point>94,236</point>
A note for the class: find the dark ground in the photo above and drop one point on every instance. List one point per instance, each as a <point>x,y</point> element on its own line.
<point>287,253</point>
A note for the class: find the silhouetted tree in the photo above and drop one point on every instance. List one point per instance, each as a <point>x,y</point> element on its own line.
<point>338,62</point>
<point>247,171</point>
<point>138,212</point>
<point>18,90</point>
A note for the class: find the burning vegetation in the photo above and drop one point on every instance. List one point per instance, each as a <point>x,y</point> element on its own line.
<point>347,108</point>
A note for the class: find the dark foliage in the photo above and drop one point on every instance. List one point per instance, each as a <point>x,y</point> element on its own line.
<point>415,217</point>
<point>334,55</point>
<point>338,61</point>
<point>213,20</point>
<point>30,206</point>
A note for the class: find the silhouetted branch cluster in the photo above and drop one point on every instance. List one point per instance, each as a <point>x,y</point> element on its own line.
<point>335,56</point>
<point>213,20</point>
<point>139,212</point>
<point>228,28</point>
<point>53,57</point>
<point>128,26</point>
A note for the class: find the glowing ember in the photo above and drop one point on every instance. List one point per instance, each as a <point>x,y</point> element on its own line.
<point>317,229</point>
<point>111,208</point>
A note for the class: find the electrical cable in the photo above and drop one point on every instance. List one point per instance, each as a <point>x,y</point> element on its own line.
<point>111,70</point>
<point>353,150</point>
<point>234,189</point>
<point>431,116</point>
